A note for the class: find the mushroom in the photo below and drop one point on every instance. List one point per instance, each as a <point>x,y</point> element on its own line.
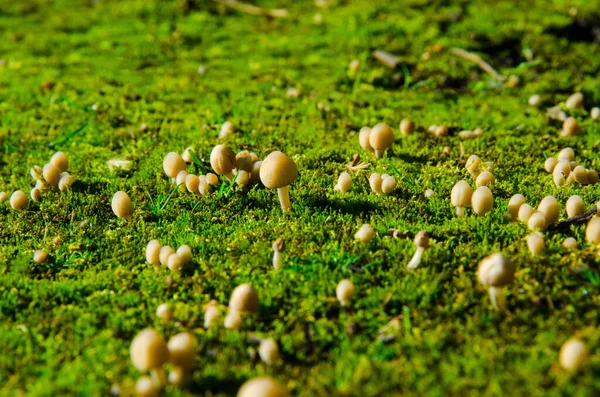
<point>60,161</point>
<point>278,171</point>
<point>549,164</point>
<point>592,231</point>
<point>173,164</point>
<point>39,257</point>
<point>182,350</point>
<point>268,351</point>
<point>36,173</point>
<point>575,206</point>
<point>595,113</point>
<point>484,179</point>
<point>496,271</point>
<point>569,243</point>
<point>364,234</point>
<point>566,154</point>
<point>482,200</point>
<point>525,212</point>
<point>211,313</point>
<point>514,204</point>
<point>164,312</point>
<point>580,174</point>
<point>244,299</point>
<point>570,127</point>
<point>574,101</point>
<point>388,184</point>
<point>344,183</point>
<point>145,387</point>
<point>51,174</point>
<point>185,253</point>
<point>226,129</point>
<point>592,177</point>
<point>65,182</point>
<point>244,160</point>
<point>192,183</point>
<point>148,351</point>
<point>278,247</point>
<point>121,205</point>
<point>262,387</point>
<point>187,154</point>
<point>422,243</point>
<point>242,178</point>
<point>153,253</point>
<point>233,320</point>
<point>35,194</point>
<point>344,292</point>
<point>573,354</point>
<point>407,127</point>
<point>255,172</point>
<point>3,197</point>
<point>363,138</point>
<point>535,243</point>
<point>461,197</point>
<point>175,263</point>
<point>222,160</point>
<point>534,100</point>
<point>354,67</point>
<point>164,254</point>
<point>381,138</point>
<point>376,182</point>
<point>429,193</point>
<point>472,165</point>
<point>178,376</point>
<point>549,207</point>
<point>537,221</point>
<point>180,180</point>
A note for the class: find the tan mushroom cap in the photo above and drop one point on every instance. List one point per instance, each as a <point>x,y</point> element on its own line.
<point>222,159</point>
<point>121,204</point>
<point>173,164</point>
<point>278,170</point>
<point>153,252</point>
<point>461,194</point>
<point>496,270</point>
<point>59,159</point>
<point>148,350</point>
<point>549,207</point>
<point>18,200</point>
<point>422,239</point>
<point>262,387</point>
<point>244,160</point>
<point>573,354</point>
<point>51,174</point>
<point>244,298</point>
<point>146,387</point>
<point>182,352</point>
<point>381,136</point>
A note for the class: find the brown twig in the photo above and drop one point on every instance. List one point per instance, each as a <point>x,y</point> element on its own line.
<point>252,9</point>
<point>480,62</point>
<point>583,218</point>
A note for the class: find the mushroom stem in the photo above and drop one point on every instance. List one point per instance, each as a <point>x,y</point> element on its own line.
<point>277,263</point>
<point>379,153</point>
<point>460,211</point>
<point>159,376</point>
<point>284,198</point>
<point>416,259</point>
<point>497,298</point>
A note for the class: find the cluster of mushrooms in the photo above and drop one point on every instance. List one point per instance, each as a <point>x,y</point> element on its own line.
<point>175,260</point>
<point>565,170</point>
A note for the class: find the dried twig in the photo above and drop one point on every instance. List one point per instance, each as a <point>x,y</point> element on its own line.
<point>480,62</point>
<point>583,218</point>
<point>356,164</point>
<point>252,9</point>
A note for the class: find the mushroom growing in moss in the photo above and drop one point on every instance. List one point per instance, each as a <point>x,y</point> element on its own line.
<point>344,183</point>
<point>461,197</point>
<point>153,253</point>
<point>549,207</point>
<point>482,200</point>
<point>381,138</point>
<point>278,247</point>
<point>262,387</point>
<point>278,171</point>
<point>148,351</point>
<point>173,164</point>
<point>573,354</point>
<point>344,292</point>
<point>18,200</point>
<point>122,206</point>
<point>592,231</point>
<point>364,234</point>
<point>575,206</point>
<point>268,351</point>
<point>244,299</point>
<point>422,243</point>
<point>514,204</point>
<point>496,271</point>
<point>222,160</point>
<point>182,351</point>
<point>375,182</point>
<point>535,243</point>
<point>363,138</point>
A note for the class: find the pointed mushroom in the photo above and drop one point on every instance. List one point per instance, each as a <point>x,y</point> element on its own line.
<point>278,171</point>
<point>422,243</point>
<point>496,271</point>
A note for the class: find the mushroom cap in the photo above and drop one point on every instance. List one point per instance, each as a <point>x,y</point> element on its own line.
<point>39,257</point>
<point>164,312</point>
<point>363,138</point>
<point>570,127</point>
<point>233,320</point>
<point>344,182</point>
<point>473,163</point>
<point>549,164</point>
<point>364,234</point>
<point>422,239</point>
<point>496,270</point>
<point>268,351</point>
<point>278,170</point>
<point>51,174</point>
<point>461,194</point>
<point>549,207</point>
<point>278,245</point>
<point>575,206</point>
<point>244,160</point>
<point>535,243</point>
<point>182,352</point>
<point>173,164</point>
<point>164,254</point>
<point>222,159</point>
<point>580,174</point>
<point>187,154</point>
<point>482,200</point>
<point>146,387</point>
<point>65,182</point>
<point>484,179</point>
<point>569,243</point>
<point>388,184</point>
<point>59,159</point>
<point>185,253</point>
<point>525,212</point>
<point>566,154</point>
<point>244,298</point>
<point>344,291</point>
<point>175,262</point>
<point>376,182</point>
<point>121,204</point>
<point>592,177</point>
<point>574,101</point>
<point>537,221</point>
<point>592,231</point>
<point>148,350</point>
<point>262,387</point>
<point>514,204</point>
<point>153,252</point>
<point>573,354</point>
<point>407,126</point>
<point>211,315</point>
<point>18,200</point>
<point>381,136</point>
<point>192,182</point>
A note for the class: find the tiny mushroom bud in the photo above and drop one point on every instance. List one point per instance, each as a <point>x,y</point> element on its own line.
<point>121,205</point>
<point>388,184</point>
<point>192,182</point>
<point>39,257</point>
<point>549,164</point>
<point>354,66</point>
<point>534,100</point>
<point>268,351</point>
<point>164,312</point>
<point>222,160</point>
<point>559,177</point>
<point>482,200</point>
<point>363,138</point>
<point>537,221</point>
<point>569,243</point>
<point>60,161</point>
<point>242,178</point>
<point>212,179</point>
<point>180,180</point>
<point>181,350</point>
<point>514,204</point>
<point>549,207</point>
<point>175,262</point>
<point>65,182</point>
<point>525,212</point>
<point>173,164</point>
<point>376,182</point>
<point>580,175</point>
<point>575,206</point>
<point>35,194</point>
<point>440,130</point>
<point>381,138</point>
<point>573,354</point>
<point>148,350</point>
<point>429,193</point>
<point>592,177</point>
<point>51,174</point>
<point>484,179</point>
<point>570,127</point>
<point>535,243</point>
<point>496,271</point>
<point>595,113</point>
<point>472,165</point>
<point>574,101</point>
<point>244,299</point>
<point>262,387</point>
<point>146,387</point>
<point>278,247</point>
<point>244,160</point>
<point>187,154</point>
<point>278,171</point>
<point>344,182</point>
<point>461,197</point>
<point>185,253</point>
<point>226,129</point>
<point>344,292</point>
<point>164,254</point>
<point>364,234</point>
<point>422,243</point>
<point>592,231</point>
<point>407,127</point>
<point>36,173</point>
<point>211,314</point>
<point>18,200</point>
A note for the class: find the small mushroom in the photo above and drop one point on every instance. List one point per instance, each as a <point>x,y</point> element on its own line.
<point>65,182</point>
<point>440,130</point>
<point>244,160</point>
<point>187,154</point>
<point>148,350</point>
<point>269,351</point>
<point>549,164</point>
<point>175,263</point>
<point>242,178</point>
<point>173,164</point>
<point>278,171</point>
<point>262,387</point>
<point>363,139</point>
<point>376,182</point>
<point>482,200</point>
<point>192,183</point>
<point>484,179</point>
<point>39,257</point>
<point>222,160</point>
<point>575,206</point>
<point>36,194</point>
<point>580,174</point>
<point>534,100</point>
<point>344,292</point>
<point>153,253</point>
<point>381,138</point>
<point>595,113</point>
<point>278,247</point>
<point>354,67</point>
<point>569,243</point>
<point>146,387</point>
<point>388,184</point>
<point>461,197</point>
<point>3,197</point>
<point>574,101</point>
<point>549,207</point>
<point>514,204</point>
<point>51,174</point>
<point>570,127</point>
<point>233,320</point>
<point>122,206</point>
<point>592,177</point>
<point>244,299</point>
<point>535,243</point>
<point>592,231</point>
<point>364,234</point>
<point>537,221</point>
<point>344,183</point>
<point>211,314</point>
<point>182,351</point>
<point>164,254</point>
<point>496,271</point>
<point>472,165</point>
<point>407,127</point>
<point>255,173</point>
<point>422,243</point>
<point>185,253</point>
<point>525,212</point>
<point>164,312</point>
<point>573,354</point>
<point>226,129</point>
<point>566,154</point>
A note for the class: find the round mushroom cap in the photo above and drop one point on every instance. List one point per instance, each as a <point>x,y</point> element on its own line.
<point>592,177</point>
<point>381,136</point>
<point>575,206</point>
<point>185,253</point>
<point>148,350</point>
<point>18,200</point>
<point>262,387</point>
<point>422,239</point>
<point>164,312</point>
<point>39,257</point>
<point>535,243</point>
<point>407,126</point>
<point>581,175</point>
<point>146,387</point>
<point>473,163</point>
<point>573,354</point>
<point>278,170</point>
<point>59,159</point>
<point>549,164</point>
<point>268,351</point>
<point>222,159</point>
<point>514,204</point>
<point>566,154</point>
<point>153,252</point>
<point>496,270</point>
<point>549,207</point>
<point>592,231</point>
<point>164,254</point>
<point>278,245</point>
<point>482,200</point>
<point>537,221</point>
<point>121,204</point>
<point>182,352</point>
<point>344,291</point>
<point>363,138</point>
<point>569,243</point>
<point>244,299</point>
<point>461,194</point>
<point>244,161</point>
<point>65,182</point>
<point>173,164</point>
<point>51,174</point>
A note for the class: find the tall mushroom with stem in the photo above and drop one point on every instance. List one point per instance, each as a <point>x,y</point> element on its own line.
<point>222,160</point>
<point>278,247</point>
<point>496,271</point>
<point>422,243</point>
<point>278,171</point>
<point>381,138</point>
<point>461,197</point>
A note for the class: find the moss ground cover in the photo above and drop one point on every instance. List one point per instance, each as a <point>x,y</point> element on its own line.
<point>83,77</point>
